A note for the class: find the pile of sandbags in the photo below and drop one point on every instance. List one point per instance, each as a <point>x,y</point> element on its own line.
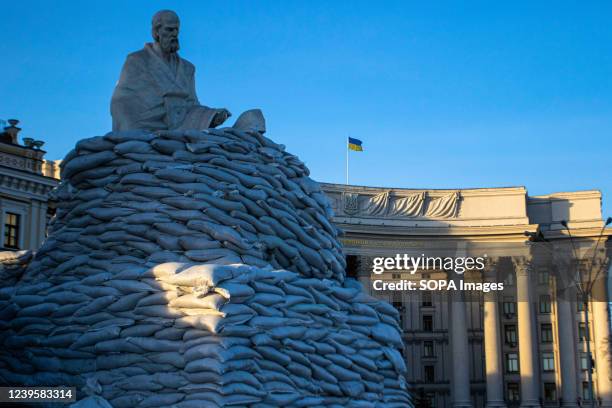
<point>184,334</point>
<point>12,265</point>
<point>196,269</point>
<point>221,196</point>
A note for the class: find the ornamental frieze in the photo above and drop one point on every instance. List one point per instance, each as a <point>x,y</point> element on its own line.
<point>387,204</point>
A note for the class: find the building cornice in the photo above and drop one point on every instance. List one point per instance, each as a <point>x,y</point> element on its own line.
<point>26,185</point>
<point>474,192</point>
<point>514,233</point>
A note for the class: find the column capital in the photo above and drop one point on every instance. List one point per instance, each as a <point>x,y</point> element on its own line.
<point>522,265</point>
<point>600,262</point>
<point>492,261</point>
<point>491,267</point>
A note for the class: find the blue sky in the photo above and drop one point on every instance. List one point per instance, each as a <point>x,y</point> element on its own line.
<point>451,95</point>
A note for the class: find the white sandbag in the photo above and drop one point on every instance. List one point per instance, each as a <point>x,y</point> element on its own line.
<point>161,400</point>
<point>162,311</point>
<point>212,301</point>
<point>141,179</point>
<point>93,337</point>
<point>166,269</point>
<point>230,290</point>
<point>170,357</point>
<point>133,146</point>
<point>140,330</point>
<point>93,401</point>
<point>96,305</point>
<point>126,302</point>
<point>267,299</point>
<point>396,359</point>
<point>152,344</point>
<point>198,243</point>
<point>170,333</point>
<point>130,286</point>
<point>159,298</point>
<point>86,162</point>
<point>211,323</point>
<point>198,275</point>
<point>387,334</point>
<point>205,255</point>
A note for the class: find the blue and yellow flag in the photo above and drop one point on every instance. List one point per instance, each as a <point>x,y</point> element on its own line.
<point>355,144</point>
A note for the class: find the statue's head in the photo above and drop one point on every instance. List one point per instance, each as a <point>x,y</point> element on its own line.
<point>165,29</point>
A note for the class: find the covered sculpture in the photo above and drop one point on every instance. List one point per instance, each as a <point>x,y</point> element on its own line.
<point>156,89</point>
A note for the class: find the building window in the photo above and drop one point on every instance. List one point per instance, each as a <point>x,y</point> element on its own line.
<point>11,230</point>
<point>430,398</point>
<point>579,303</point>
<point>550,392</point>
<point>428,349</point>
<point>513,392</point>
<point>584,362</point>
<point>426,298</point>
<point>509,280</point>
<point>510,334</point>
<point>548,362</point>
<point>586,391</point>
<point>543,277</point>
<point>512,364</point>
<point>352,266</point>
<point>546,334</point>
<point>582,331</point>
<point>509,308</point>
<point>545,304</point>
<point>399,306</point>
<point>396,276</point>
<point>427,323</point>
<point>429,376</point>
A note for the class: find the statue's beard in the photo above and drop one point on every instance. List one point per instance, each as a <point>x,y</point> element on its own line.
<point>169,45</point>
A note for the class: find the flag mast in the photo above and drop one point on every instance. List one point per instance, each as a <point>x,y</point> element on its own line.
<point>347,160</point>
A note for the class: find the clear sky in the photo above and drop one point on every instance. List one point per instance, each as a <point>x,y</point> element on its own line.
<point>452,95</point>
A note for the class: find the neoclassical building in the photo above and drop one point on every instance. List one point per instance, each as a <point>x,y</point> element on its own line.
<point>523,346</point>
<point>26,179</point>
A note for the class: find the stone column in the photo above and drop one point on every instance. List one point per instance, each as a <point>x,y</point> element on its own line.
<point>42,223</point>
<point>492,344</point>
<point>567,346</point>
<point>601,337</point>
<point>460,350</point>
<point>30,226</point>
<point>529,382</point>
<point>364,274</point>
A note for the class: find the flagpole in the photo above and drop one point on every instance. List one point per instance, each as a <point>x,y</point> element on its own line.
<point>347,161</point>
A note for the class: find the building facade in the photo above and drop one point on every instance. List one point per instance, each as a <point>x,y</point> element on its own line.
<point>523,346</point>
<point>26,179</point>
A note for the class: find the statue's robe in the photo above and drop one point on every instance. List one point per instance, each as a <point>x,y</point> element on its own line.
<point>153,94</point>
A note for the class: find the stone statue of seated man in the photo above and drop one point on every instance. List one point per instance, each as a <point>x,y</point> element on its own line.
<point>156,89</point>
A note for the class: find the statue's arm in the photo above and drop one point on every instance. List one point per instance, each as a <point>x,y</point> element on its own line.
<point>221,114</point>
<point>192,90</point>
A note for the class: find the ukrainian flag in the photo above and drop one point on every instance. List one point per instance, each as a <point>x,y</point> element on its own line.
<point>355,144</point>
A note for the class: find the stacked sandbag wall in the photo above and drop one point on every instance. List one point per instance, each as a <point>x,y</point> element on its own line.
<point>221,196</point>
<point>180,334</point>
<point>197,269</point>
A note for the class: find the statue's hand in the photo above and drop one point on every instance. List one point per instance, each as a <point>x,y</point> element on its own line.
<point>220,117</point>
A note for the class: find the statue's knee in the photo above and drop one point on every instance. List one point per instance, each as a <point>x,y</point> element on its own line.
<point>253,120</point>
